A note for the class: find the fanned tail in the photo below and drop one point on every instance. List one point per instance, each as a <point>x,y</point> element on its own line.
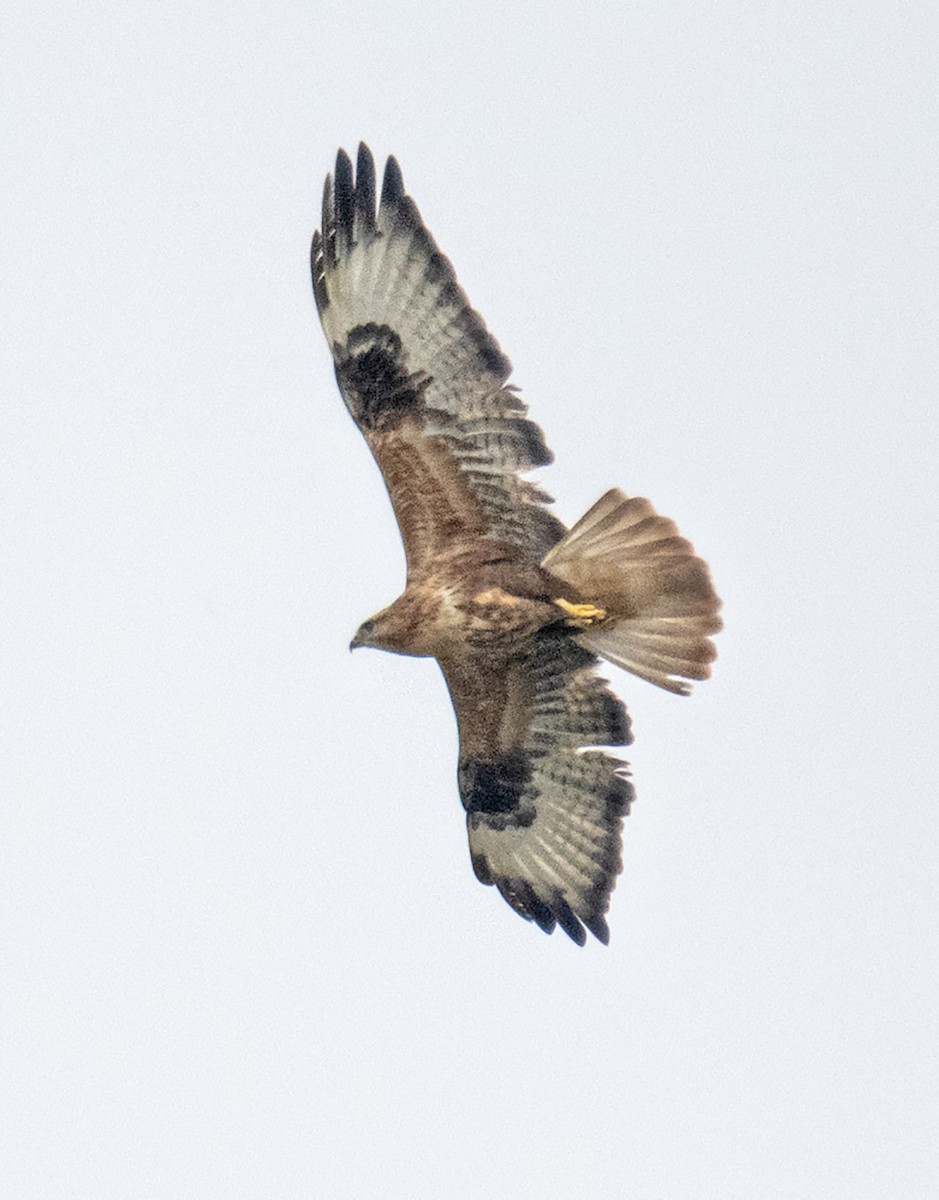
<point>657,595</point>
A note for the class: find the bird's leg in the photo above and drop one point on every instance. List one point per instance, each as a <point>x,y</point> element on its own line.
<point>583,615</point>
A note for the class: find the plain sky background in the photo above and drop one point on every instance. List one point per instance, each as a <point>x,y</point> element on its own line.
<point>243,954</point>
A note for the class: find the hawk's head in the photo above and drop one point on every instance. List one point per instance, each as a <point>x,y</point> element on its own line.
<point>396,628</point>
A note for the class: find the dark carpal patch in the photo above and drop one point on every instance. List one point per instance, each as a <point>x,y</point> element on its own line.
<point>497,786</point>
<point>372,372</point>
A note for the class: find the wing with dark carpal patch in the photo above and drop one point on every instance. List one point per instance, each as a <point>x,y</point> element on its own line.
<point>421,375</point>
<point>544,803</point>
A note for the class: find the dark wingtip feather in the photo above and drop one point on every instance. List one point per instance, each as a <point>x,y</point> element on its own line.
<point>542,915</point>
<point>344,195</point>
<point>409,217</point>
<point>328,223</point>
<point>569,923</point>
<point>599,928</point>
<point>392,188</point>
<point>364,189</point>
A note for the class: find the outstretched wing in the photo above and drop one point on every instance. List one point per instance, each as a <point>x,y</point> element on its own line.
<point>544,804</point>
<point>421,375</point>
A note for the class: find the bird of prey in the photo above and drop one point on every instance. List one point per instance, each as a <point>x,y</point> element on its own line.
<point>515,608</point>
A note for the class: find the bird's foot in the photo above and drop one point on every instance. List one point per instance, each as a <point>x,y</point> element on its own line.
<point>582,615</point>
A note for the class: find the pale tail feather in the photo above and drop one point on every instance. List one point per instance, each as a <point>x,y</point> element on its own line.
<point>661,605</point>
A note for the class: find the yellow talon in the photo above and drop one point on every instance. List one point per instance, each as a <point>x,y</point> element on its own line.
<point>582,614</point>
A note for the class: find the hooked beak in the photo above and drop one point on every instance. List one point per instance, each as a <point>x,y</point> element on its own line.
<point>360,638</point>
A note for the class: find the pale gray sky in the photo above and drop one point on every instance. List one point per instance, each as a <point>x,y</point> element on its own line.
<point>243,951</point>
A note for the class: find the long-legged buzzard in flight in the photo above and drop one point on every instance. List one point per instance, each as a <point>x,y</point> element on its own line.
<point>515,608</point>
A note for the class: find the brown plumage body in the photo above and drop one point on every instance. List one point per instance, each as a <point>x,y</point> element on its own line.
<point>472,600</point>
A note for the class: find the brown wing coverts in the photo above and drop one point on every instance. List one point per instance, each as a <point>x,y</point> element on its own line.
<point>544,818</point>
<point>415,360</point>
